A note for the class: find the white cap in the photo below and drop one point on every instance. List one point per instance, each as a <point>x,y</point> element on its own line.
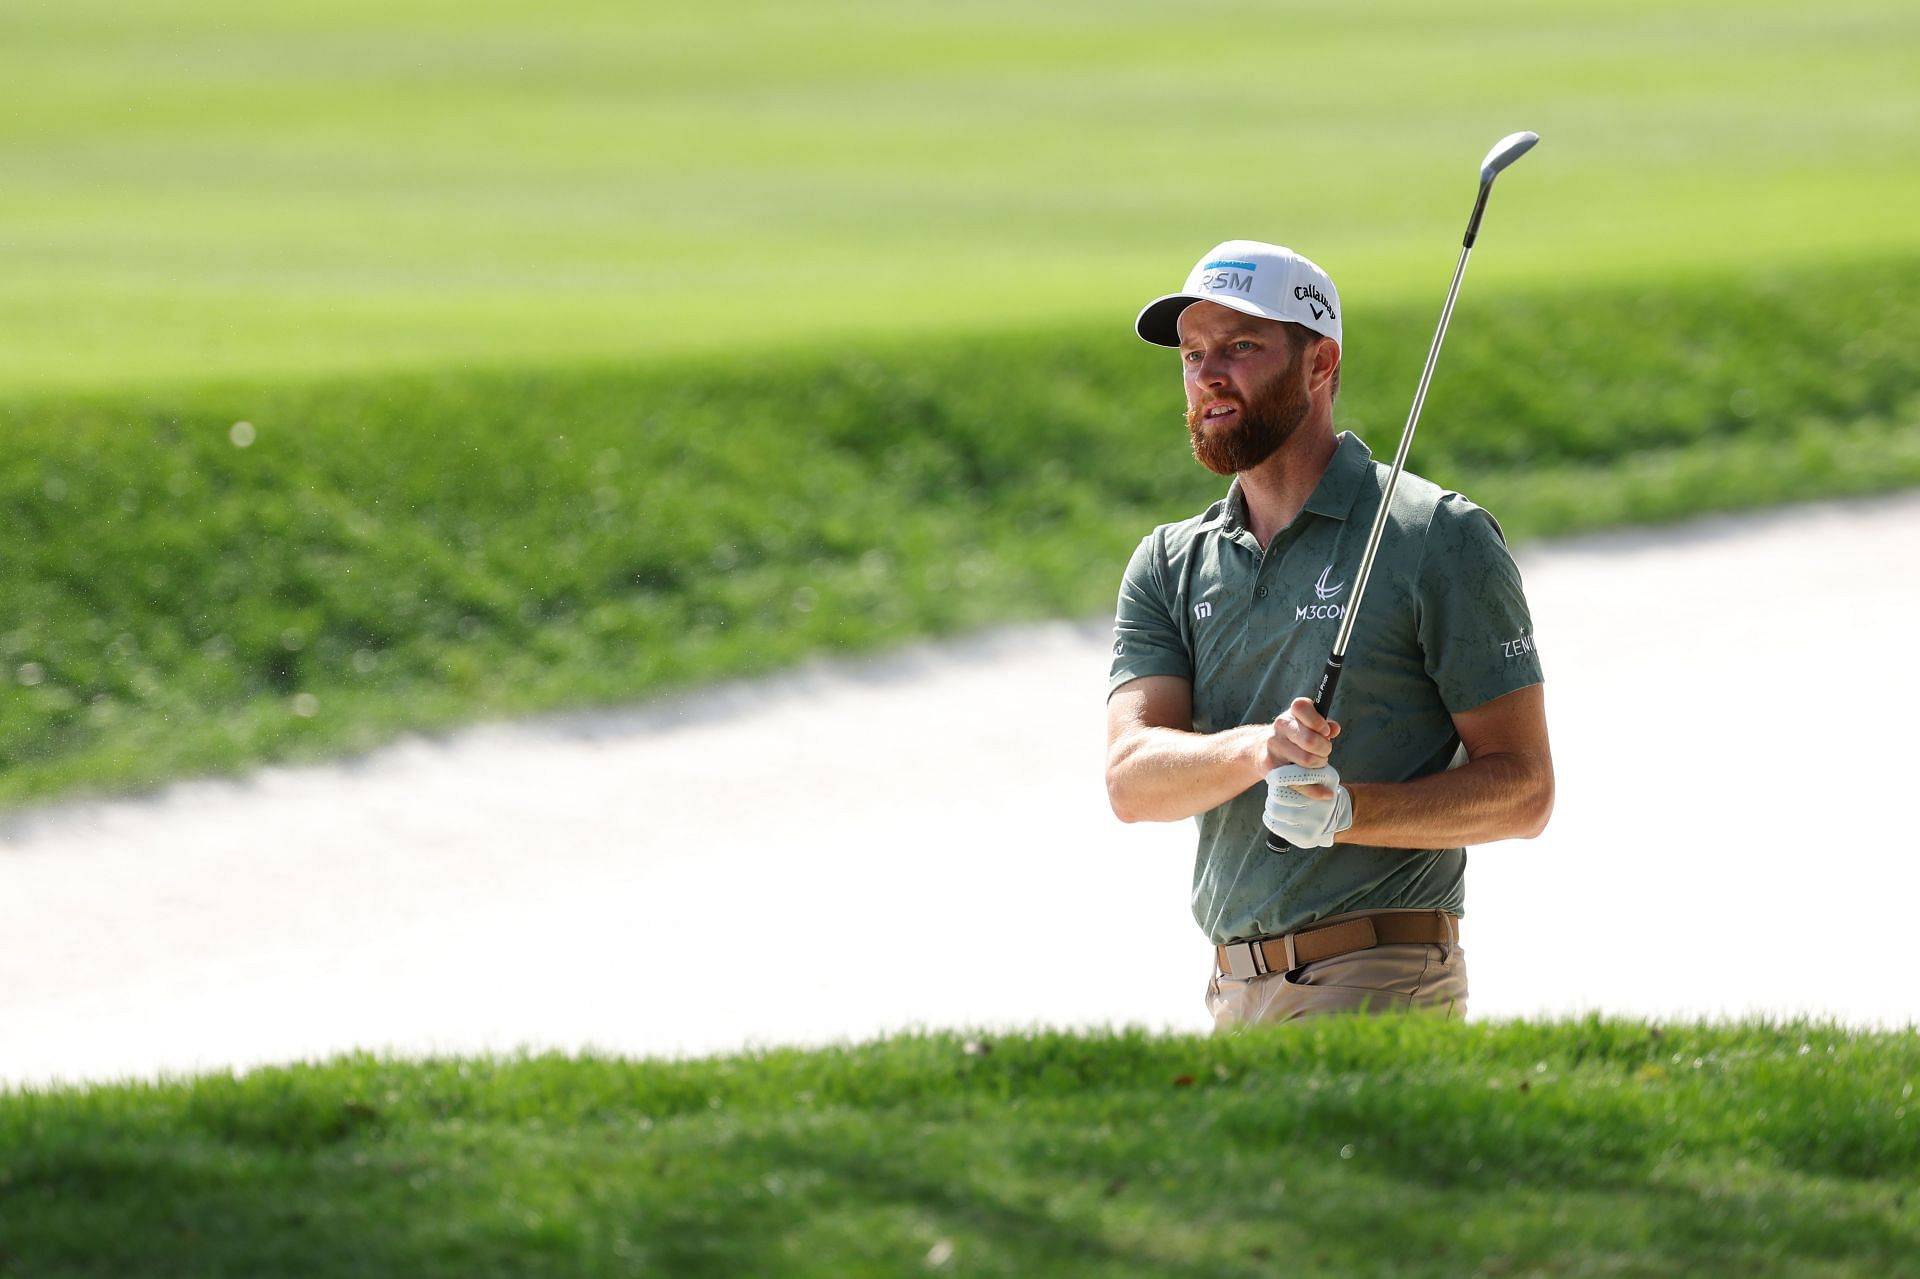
<point>1260,279</point>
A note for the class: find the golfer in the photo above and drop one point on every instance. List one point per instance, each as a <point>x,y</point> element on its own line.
<point>1224,620</point>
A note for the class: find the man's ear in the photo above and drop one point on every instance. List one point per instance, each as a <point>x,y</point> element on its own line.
<point>1326,362</point>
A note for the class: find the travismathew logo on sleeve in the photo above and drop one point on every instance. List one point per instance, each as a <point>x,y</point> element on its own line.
<point>1323,592</point>
<point>1304,291</point>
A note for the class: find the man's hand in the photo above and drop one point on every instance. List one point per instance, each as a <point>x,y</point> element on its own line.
<point>1160,770</point>
<point>1302,736</point>
<point>1302,819</point>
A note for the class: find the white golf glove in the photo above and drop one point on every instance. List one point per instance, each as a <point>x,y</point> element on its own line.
<point>1303,822</point>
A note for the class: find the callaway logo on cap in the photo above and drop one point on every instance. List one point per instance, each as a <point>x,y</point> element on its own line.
<point>1260,279</point>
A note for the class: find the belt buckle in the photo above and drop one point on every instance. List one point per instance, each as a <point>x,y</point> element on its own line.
<point>1243,962</point>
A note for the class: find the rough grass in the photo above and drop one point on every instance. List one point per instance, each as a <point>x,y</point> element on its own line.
<point>1355,1147</point>
<point>405,552</point>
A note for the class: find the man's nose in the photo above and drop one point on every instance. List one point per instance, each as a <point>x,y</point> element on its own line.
<point>1211,370</point>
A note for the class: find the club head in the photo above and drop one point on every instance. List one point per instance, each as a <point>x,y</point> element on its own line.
<point>1505,152</point>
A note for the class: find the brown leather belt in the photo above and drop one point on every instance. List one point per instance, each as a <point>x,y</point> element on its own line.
<point>1248,959</point>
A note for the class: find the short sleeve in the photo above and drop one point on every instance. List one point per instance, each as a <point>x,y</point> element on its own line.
<point>1475,628</point>
<point>1147,640</point>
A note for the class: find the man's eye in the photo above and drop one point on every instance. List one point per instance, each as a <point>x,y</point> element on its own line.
<point>1243,345</point>
<point>1191,357</point>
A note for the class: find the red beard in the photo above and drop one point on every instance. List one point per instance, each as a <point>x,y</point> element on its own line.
<point>1267,418</point>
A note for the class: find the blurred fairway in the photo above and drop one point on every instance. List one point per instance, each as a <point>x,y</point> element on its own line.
<point>216,189</point>
<point>372,367</point>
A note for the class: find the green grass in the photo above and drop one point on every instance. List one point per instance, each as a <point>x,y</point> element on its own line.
<point>205,188</point>
<point>606,349</point>
<point>414,551</point>
<point>1353,1147</point>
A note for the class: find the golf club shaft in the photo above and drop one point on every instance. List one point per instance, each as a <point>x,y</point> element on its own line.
<point>1330,677</point>
<point>1393,478</point>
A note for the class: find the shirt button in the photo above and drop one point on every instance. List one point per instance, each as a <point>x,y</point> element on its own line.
<point>1262,592</point>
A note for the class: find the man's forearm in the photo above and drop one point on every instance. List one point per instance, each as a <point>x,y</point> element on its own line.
<point>1504,796</point>
<point>1166,774</point>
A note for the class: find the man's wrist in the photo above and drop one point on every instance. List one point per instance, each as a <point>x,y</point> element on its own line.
<point>1356,792</point>
<point>1253,754</point>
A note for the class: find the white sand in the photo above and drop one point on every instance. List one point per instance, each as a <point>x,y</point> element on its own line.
<point>924,841</point>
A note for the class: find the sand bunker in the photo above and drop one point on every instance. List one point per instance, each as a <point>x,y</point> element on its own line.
<point>923,840</point>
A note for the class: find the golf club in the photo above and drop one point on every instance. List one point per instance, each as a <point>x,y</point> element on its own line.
<point>1504,153</point>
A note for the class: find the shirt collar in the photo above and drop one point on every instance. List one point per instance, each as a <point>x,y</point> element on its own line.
<point>1340,482</point>
<point>1332,497</point>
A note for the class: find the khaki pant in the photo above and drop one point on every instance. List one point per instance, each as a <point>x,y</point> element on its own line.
<point>1385,979</point>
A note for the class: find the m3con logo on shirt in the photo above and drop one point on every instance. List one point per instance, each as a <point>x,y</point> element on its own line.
<point>1323,592</point>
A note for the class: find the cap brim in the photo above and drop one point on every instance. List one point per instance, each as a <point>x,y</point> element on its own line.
<point>1159,320</point>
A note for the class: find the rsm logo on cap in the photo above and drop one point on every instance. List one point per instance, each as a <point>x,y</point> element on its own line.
<point>1229,276</point>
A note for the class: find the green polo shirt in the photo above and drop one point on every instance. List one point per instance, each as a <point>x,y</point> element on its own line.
<point>1443,628</point>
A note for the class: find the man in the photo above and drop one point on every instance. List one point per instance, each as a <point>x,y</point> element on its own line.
<point>1226,618</point>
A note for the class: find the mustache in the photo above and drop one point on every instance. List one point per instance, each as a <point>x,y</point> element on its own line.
<point>1199,411</point>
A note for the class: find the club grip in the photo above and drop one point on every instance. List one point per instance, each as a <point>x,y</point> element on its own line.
<point>1329,681</point>
<point>1322,699</point>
